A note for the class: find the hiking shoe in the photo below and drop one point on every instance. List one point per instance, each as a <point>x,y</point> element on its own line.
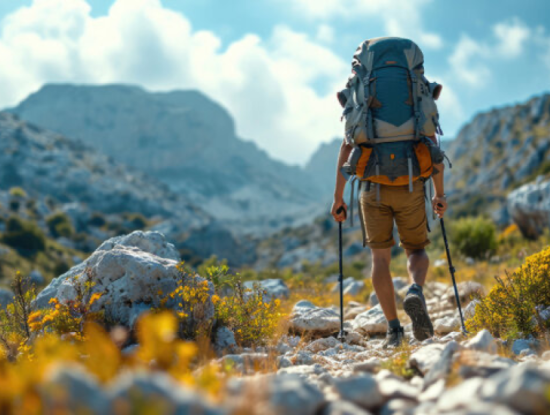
<point>394,337</point>
<point>415,306</point>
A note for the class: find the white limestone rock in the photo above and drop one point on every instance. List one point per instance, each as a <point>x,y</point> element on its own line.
<point>370,321</point>
<point>306,317</point>
<point>130,279</point>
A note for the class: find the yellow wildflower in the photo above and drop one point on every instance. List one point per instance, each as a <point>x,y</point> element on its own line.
<point>34,316</point>
<point>95,297</point>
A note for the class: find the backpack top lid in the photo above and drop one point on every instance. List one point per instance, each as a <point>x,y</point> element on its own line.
<point>388,51</point>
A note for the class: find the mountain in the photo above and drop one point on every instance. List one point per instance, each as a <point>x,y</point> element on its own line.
<point>70,173</point>
<point>183,139</point>
<point>497,152</point>
<point>322,166</point>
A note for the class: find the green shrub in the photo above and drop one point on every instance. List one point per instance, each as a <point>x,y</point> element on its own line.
<point>97,220</point>
<point>474,237</point>
<point>24,236</point>
<point>14,205</point>
<point>18,192</point>
<point>14,326</point>
<point>60,225</point>
<point>136,221</point>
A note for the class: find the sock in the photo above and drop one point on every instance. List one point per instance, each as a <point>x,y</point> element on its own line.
<point>416,287</point>
<point>394,324</point>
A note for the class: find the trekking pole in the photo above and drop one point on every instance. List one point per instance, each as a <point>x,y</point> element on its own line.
<point>452,271</point>
<point>341,334</point>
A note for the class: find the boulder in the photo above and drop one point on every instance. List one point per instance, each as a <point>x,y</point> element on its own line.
<point>351,286</point>
<point>152,242</point>
<point>523,387</point>
<point>529,207</point>
<point>162,394</point>
<point>476,363</point>
<point>392,388</point>
<point>370,321</point>
<point>322,344</point>
<point>461,396</point>
<point>425,357</point>
<point>370,365</point>
<point>362,390</point>
<point>293,395</point>
<point>351,312</point>
<point>224,339</point>
<point>273,288</point>
<point>482,341</point>
<point>306,317</point>
<point>442,367</point>
<point>70,388</point>
<point>522,344</point>
<point>131,279</point>
<point>446,325</point>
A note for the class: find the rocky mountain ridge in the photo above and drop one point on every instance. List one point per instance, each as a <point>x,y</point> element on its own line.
<point>83,181</point>
<point>185,140</point>
<point>496,152</point>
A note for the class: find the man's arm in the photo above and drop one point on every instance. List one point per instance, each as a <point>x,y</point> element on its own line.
<point>439,202</point>
<point>338,202</point>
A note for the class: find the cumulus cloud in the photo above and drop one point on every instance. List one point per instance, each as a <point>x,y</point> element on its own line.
<point>471,59</point>
<point>465,62</point>
<point>511,37</point>
<point>265,84</point>
<point>400,17</point>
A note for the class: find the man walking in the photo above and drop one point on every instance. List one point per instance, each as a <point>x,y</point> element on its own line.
<point>386,147</point>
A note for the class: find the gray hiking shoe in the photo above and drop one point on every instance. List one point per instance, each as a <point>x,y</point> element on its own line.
<point>394,337</point>
<point>415,306</point>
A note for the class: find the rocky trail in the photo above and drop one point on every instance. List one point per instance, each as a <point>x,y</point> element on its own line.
<point>306,370</point>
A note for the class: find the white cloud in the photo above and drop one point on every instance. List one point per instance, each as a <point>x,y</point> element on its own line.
<point>466,62</point>
<point>325,34</point>
<point>401,18</point>
<point>511,37</point>
<point>267,85</point>
<point>471,59</point>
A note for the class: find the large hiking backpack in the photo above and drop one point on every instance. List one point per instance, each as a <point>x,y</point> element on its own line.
<point>390,113</point>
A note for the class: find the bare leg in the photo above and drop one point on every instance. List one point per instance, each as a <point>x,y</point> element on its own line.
<point>382,282</point>
<point>414,305</point>
<point>417,265</point>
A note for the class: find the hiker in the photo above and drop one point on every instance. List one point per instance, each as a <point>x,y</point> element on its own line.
<point>391,148</point>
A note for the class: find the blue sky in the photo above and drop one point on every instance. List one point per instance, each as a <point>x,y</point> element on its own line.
<point>276,64</point>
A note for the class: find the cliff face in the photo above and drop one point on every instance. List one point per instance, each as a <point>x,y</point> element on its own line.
<point>182,138</point>
<point>47,164</point>
<point>497,152</point>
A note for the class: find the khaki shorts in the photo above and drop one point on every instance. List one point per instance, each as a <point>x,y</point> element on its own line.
<point>396,203</point>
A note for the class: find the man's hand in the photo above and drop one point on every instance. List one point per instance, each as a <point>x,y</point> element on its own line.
<point>439,205</point>
<point>339,216</point>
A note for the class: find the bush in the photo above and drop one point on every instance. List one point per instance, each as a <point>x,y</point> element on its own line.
<point>97,220</point>
<point>510,306</point>
<point>14,327</point>
<point>24,236</point>
<point>60,225</point>
<point>135,221</point>
<point>474,237</point>
<point>253,320</point>
<point>18,192</point>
